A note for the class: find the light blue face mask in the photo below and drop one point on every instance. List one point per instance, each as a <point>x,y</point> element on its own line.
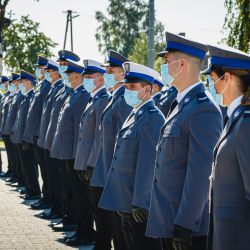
<point>66,81</point>
<point>38,73</point>
<point>89,84</point>
<point>131,98</point>
<point>3,87</point>
<point>12,88</point>
<point>167,79</point>
<point>109,80</point>
<point>48,77</point>
<point>62,69</point>
<point>218,98</point>
<point>22,88</point>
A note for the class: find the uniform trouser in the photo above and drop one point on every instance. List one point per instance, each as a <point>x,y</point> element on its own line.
<point>134,234</point>
<point>39,152</point>
<point>198,243</point>
<point>19,172</point>
<point>103,222</point>
<point>29,169</point>
<point>81,194</point>
<point>9,150</point>
<point>69,210</point>
<point>55,174</point>
<point>1,169</point>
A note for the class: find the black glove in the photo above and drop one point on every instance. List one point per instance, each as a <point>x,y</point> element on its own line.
<point>182,238</point>
<point>88,173</point>
<point>25,146</point>
<point>35,140</point>
<point>140,214</point>
<point>81,174</point>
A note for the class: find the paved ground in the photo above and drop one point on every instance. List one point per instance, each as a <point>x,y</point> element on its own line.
<point>19,228</point>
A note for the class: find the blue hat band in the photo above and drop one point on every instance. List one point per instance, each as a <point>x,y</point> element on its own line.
<point>102,71</point>
<point>186,49</point>
<point>50,66</point>
<point>230,63</point>
<point>141,76</point>
<point>158,83</point>
<point>65,57</point>
<point>116,61</point>
<point>75,69</point>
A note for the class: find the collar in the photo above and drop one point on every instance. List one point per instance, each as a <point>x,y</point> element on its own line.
<point>56,83</point>
<point>26,93</point>
<point>181,95</point>
<point>156,94</point>
<point>78,87</point>
<point>233,105</point>
<point>96,91</point>
<point>115,91</point>
<point>135,110</point>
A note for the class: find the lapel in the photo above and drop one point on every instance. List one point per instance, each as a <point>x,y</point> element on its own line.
<point>114,98</point>
<point>186,100</point>
<point>137,115</point>
<point>238,112</point>
<point>98,95</point>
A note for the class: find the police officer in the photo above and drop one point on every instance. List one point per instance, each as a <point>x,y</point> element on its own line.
<point>17,98</point>
<point>65,144</point>
<point>112,119</point>
<point>156,88</point>
<point>179,204</point>
<point>6,138</point>
<point>33,121</point>
<point>56,168</point>
<point>4,87</point>
<point>128,186</point>
<point>89,144</point>
<point>26,152</point>
<point>51,75</point>
<point>229,227</point>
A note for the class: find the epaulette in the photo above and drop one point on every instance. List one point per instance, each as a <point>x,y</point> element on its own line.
<point>202,97</point>
<point>247,111</point>
<point>153,110</point>
<point>104,95</point>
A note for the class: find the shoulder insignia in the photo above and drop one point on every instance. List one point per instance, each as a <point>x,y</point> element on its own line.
<point>202,97</point>
<point>247,112</point>
<point>153,110</point>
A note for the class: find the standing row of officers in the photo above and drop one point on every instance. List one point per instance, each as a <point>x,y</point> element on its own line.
<point>128,156</point>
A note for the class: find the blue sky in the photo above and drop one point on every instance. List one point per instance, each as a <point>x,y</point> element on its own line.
<point>202,20</point>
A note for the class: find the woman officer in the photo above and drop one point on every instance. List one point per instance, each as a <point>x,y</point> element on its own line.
<point>229,228</point>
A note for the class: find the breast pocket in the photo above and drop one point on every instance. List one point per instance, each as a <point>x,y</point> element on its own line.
<point>129,144</point>
<point>170,139</point>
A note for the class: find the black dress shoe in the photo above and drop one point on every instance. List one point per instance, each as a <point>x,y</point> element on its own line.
<point>40,205</point>
<point>29,197</point>
<point>6,174</point>
<point>50,216</point>
<point>11,179</point>
<point>76,241</point>
<point>66,238</point>
<point>22,192</point>
<point>64,227</point>
<point>54,223</point>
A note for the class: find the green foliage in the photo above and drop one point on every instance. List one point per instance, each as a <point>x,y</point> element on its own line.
<point>127,19</point>
<point>24,42</point>
<point>139,52</point>
<point>237,24</point>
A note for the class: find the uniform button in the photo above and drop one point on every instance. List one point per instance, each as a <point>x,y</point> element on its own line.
<point>112,168</point>
<point>155,180</point>
<point>157,165</point>
<point>115,157</point>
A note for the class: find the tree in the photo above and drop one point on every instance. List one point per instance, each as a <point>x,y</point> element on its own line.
<point>139,51</point>
<point>237,24</point>
<point>24,42</point>
<point>127,19</point>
